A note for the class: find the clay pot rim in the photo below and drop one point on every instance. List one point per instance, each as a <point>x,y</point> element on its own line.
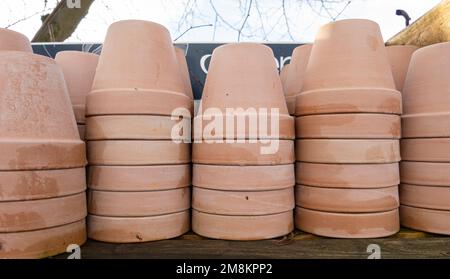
<point>426,48</point>
<point>353,21</point>
<point>147,22</point>
<point>427,209</point>
<point>244,191</point>
<point>242,216</point>
<point>140,90</point>
<point>76,52</point>
<point>138,191</point>
<point>237,44</point>
<point>360,88</point>
<point>344,188</point>
<point>346,214</point>
<point>181,212</point>
<point>30,55</point>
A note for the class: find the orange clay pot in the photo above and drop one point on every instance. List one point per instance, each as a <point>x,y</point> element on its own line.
<point>347,200</point>
<point>243,75</point>
<point>137,152</point>
<point>348,175</point>
<point>431,197</point>
<point>243,178</point>
<point>139,178</point>
<point>348,71</point>
<point>184,70</point>
<point>423,173</point>
<point>42,243</point>
<point>242,227</point>
<point>349,126</point>
<point>137,229</point>
<point>82,131</point>
<point>428,220</point>
<point>146,80</point>
<point>283,77</point>
<point>242,153</point>
<point>427,93</point>
<point>348,225</point>
<point>243,203</point>
<point>44,184</point>
<point>399,57</point>
<point>294,79</point>
<point>347,151</point>
<point>426,150</point>
<point>79,70</point>
<point>12,40</point>
<point>38,128</point>
<point>139,204</point>
<point>41,214</point>
<point>139,127</point>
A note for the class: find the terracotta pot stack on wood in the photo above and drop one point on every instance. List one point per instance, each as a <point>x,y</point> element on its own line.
<point>242,191</point>
<point>348,130</point>
<point>399,57</point>
<point>139,176</point>
<point>425,170</point>
<point>293,83</point>
<point>79,70</point>
<point>42,174</point>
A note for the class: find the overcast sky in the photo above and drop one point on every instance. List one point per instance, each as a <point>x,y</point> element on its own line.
<point>266,21</point>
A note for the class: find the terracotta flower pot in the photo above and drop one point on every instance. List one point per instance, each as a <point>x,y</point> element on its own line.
<point>348,175</point>
<point>79,70</point>
<point>137,229</point>
<point>283,77</point>
<point>242,153</point>
<point>399,57</point>
<point>136,127</point>
<point>243,178</point>
<point>138,72</point>
<point>348,71</point>
<point>428,220</point>
<point>42,243</point>
<point>181,58</point>
<point>82,131</point>
<point>139,204</point>
<point>38,128</point>
<point>348,126</point>
<point>20,216</point>
<point>44,184</point>
<point>243,75</point>
<point>139,178</point>
<point>242,227</point>
<point>12,40</point>
<point>347,151</point>
<point>137,152</point>
<point>431,197</point>
<point>426,150</point>
<point>294,79</point>
<point>427,93</point>
<point>243,203</point>
<point>348,225</point>
<point>423,173</point>
<point>347,200</point>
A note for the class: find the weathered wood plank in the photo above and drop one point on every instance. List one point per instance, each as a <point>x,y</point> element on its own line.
<point>431,28</point>
<point>299,245</point>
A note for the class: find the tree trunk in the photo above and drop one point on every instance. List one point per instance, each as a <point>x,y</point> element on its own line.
<point>431,28</point>
<point>62,22</point>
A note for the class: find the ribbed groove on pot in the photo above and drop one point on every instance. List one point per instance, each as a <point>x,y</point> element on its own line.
<point>348,225</point>
<point>428,220</point>
<point>422,196</point>
<point>426,150</point>
<point>425,173</point>
<point>44,184</point>
<point>42,243</point>
<point>138,229</point>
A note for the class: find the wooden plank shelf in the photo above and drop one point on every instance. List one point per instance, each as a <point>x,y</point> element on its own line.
<point>298,245</point>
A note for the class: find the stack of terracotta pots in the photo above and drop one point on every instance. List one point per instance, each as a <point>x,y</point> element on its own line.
<point>139,176</point>
<point>242,191</point>
<point>425,171</point>
<point>293,83</point>
<point>42,174</point>
<point>348,130</point>
<point>399,57</point>
<point>79,70</point>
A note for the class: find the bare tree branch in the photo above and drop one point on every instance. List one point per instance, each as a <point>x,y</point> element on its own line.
<point>245,20</point>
